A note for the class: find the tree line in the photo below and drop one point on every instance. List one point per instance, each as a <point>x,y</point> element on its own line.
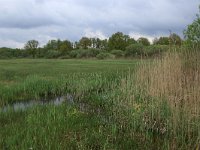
<point>118,45</point>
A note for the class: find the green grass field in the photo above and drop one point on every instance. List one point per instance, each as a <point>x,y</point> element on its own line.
<point>117,105</point>
<point>27,79</point>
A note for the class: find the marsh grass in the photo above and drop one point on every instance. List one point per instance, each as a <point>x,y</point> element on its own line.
<point>43,79</point>
<point>169,89</point>
<point>150,105</point>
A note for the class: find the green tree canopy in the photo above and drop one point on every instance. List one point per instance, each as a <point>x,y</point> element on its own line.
<point>104,44</point>
<point>62,46</point>
<point>85,43</point>
<point>175,39</point>
<point>192,33</point>
<point>162,41</point>
<point>65,46</point>
<point>143,41</point>
<point>52,45</point>
<point>32,46</point>
<point>119,41</point>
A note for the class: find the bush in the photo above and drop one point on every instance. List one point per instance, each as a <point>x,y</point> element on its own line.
<point>155,50</point>
<point>41,52</point>
<point>134,50</point>
<point>53,54</point>
<point>73,53</point>
<point>84,53</point>
<point>117,53</point>
<point>104,56</point>
<point>65,57</point>
<point>6,53</point>
<point>93,52</point>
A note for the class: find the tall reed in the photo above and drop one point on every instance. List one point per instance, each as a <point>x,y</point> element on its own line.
<point>174,80</point>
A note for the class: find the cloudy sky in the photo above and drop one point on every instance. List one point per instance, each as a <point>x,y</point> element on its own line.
<point>42,20</point>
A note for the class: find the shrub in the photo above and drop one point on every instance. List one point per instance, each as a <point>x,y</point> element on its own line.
<point>84,53</point>
<point>104,56</point>
<point>143,41</point>
<point>53,54</point>
<point>65,57</point>
<point>117,53</point>
<point>73,53</point>
<point>93,52</point>
<point>134,50</point>
<point>6,53</point>
<point>155,50</point>
<point>87,53</point>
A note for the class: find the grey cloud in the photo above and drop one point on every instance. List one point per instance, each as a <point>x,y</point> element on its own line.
<point>22,20</point>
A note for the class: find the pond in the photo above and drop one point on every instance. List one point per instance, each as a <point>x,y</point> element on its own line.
<point>22,106</point>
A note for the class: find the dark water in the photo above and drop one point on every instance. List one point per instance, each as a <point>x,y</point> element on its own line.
<point>22,106</point>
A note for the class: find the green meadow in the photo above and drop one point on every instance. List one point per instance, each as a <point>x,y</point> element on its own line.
<point>25,79</point>
<point>116,104</point>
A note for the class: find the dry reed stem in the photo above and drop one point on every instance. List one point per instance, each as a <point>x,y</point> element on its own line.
<point>169,78</point>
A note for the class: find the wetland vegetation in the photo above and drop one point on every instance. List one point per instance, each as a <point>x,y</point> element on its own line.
<point>140,96</point>
<point>117,104</point>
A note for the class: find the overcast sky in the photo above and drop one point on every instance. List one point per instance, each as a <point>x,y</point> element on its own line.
<point>42,20</point>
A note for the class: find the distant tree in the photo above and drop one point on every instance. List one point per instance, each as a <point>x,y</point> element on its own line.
<point>116,41</point>
<point>98,43</point>
<point>155,41</point>
<point>131,41</point>
<point>192,33</point>
<point>32,46</point>
<point>76,45</point>
<point>119,41</point>
<point>52,45</point>
<point>85,43</point>
<point>65,46</point>
<point>103,44</point>
<point>143,41</point>
<point>93,42</point>
<point>134,50</point>
<point>58,45</point>
<point>175,39</point>
<point>163,41</point>
<point>7,53</point>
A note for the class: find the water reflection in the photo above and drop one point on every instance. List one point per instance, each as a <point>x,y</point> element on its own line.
<point>28,104</point>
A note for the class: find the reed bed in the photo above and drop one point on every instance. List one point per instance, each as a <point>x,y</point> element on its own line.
<point>163,98</point>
